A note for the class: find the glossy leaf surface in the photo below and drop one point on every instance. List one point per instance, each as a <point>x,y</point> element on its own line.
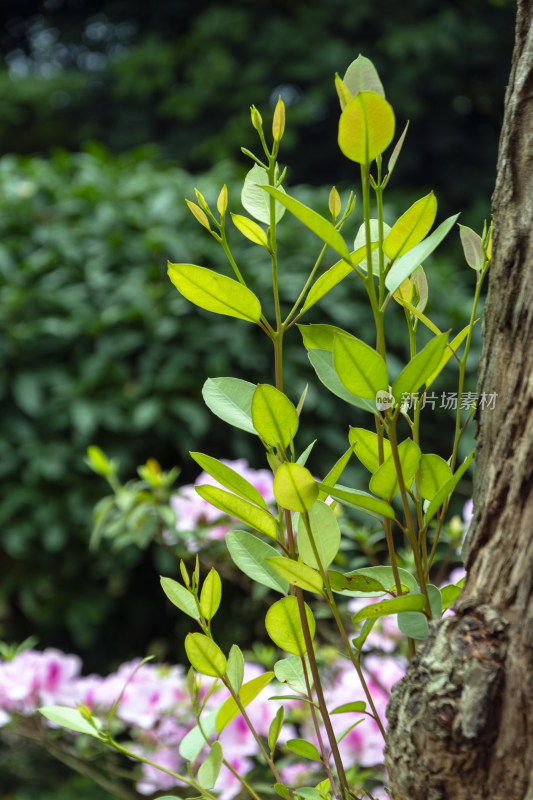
<point>230,399</point>
<point>366,127</point>
<point>214,292</point>
<point>250,554</point>
<point>235,506</point>
<point>284,626</point>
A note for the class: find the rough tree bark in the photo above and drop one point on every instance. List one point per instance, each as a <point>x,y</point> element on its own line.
<point>461,721</point>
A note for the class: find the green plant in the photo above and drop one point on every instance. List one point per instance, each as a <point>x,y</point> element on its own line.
<point>409,490</point>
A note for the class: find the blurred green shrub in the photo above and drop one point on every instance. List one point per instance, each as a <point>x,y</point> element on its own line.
<point>97,347</point>
<point>114,71</point>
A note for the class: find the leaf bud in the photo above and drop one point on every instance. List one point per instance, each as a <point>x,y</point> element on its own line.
<point>257,120</point>
<point>278,123</point>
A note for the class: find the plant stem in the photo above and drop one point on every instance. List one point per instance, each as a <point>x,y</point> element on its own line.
<point>411,535</point>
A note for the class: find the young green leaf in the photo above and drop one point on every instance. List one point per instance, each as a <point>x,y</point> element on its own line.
<point>302,458</point>
<point>419,369</point>
<point>284,626</point>
<point>275,729</point>
<point>320,337</point>
<point>250,554</point>
<point>335,473</point>
<point>326,535</point>
<point>255,200</point>
<point>411,228</point>
<point>397,150</point>
<point>297,574</point>
<point>249,691</point>
<point>449,595</point>
<point>241,509</point>
<point>405,602</point>
<point>446,490</point>
<point>366,127</point>
<point>222,201</point>
<point>322,362</point>
<point>358,706</point>
<point>198,214</point>
<point>205,656</point>
<point>472,247</point>
<point>433,473</point>
<point>72,719</point>
<point>229,478</point>
<point>360,368</point>
<point>180,597</point>
<point>365,446</point>
<point>315,222</point>
<point>303,748</point>
<point>384,482</point>
<point>193,742</point>
<point>214,292</point>
<point>406,264</point>
<point>211,594</point>
<point>235,667</point>
<point>274,416</point>
<point>363,501</point>
<point>230,399</point>
<point>360,241</point>
<point>250,229</point>
<point>294,487</point>
<point>343,92</point>
<point>362,76</point>
<point>278,122</point>
<point>333,276</point>
<point>208,771</point>
<point>452,348</point>
<point>334,203</point>
<point>290,671</point>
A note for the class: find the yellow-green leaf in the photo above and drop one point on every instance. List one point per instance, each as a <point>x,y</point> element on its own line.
<point>294,487</point>
<point>205,656</point>
<point>274,416</point>
<point>333,276</point>
<point>214,292</point>
<point>384,482</point>
<point>360,368</point>
<point>366,127</point>
<point>406,602</point>
<point>199,214</point>
<point>211,594</point>
<point>278,122</point>
<point>420,368</point>
<point>229,479</point>
<point>297,574</point>
<point>365,447</point>
<point>433,473</point>
<point>452,348</point>
<point>411,228</point>
<point>284,626</point>
<point>250,229</point>
<point>241,509</point>
<point>320,226</point>
<point>247,693</point>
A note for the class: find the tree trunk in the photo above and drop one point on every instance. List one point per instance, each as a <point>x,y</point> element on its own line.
<point>461,721</point>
